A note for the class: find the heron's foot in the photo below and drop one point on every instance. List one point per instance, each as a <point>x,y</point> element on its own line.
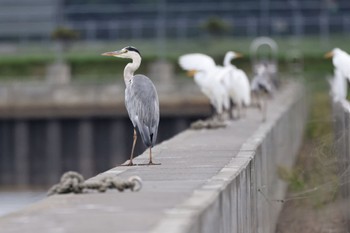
<point>151,163</point>
<point>148,164</point>
<point>128,163</point>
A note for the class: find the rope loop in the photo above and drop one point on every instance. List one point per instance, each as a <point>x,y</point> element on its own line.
<point>73,182</point>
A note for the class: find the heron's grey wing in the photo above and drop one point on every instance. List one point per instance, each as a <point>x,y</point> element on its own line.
<point>142,104</point>
<point>261,83</point>
<point>254,86</point>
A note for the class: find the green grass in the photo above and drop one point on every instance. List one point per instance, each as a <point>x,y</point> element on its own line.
<point>314,180</point>
<point>30,59</point>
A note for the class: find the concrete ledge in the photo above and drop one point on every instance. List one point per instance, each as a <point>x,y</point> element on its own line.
<point>341,127</point>
<point>38,100</point>
<point>222,180</point>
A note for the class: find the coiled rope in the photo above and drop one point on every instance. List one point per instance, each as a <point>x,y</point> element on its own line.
<point>73,182</point>
<point>207,124</point>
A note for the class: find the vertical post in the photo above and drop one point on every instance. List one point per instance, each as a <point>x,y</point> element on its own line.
<point>346,25</point>
<point>85,146</point>
<point>264,16</point>
<point>53,148</point>
<point>252,28</point>
<point>161,28</point>
<point>136,29</point>
<point>6,157</point>
<point>59,17</point>
<point>113,30</point>
<point>21,160</point>
<point>181,31</point>
<point>91,30</point>
<point>119,152</point>
<point>324,25</point>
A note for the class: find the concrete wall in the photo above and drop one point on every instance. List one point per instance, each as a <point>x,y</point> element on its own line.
<point>222,180</point>
<point>48,100</point>
<point>244,196</point>
<point>341,126</point>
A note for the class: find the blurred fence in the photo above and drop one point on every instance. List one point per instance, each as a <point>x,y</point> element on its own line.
<point>172,19</point>
<point>341,115</point>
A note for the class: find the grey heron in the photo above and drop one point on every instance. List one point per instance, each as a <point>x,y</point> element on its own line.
<point>262,85</point>
<point>141,101</point>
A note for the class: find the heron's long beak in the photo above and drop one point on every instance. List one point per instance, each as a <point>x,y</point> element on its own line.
<point>329,54</point>
<point>191,73</point>
<point>112,54</point>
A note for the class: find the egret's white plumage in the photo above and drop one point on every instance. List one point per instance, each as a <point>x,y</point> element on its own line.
<point>341,61</point>
<point>237,82</point>
<point>196,61</point>
<point>338,86</point>
<point>207,76</point>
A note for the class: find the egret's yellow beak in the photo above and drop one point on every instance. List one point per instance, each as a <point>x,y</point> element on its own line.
<point>191,73</point>
<point>329,54</point>
<point>239,55</point>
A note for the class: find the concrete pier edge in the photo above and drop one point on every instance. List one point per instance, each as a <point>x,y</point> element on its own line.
<point>181,218</point>
<point>227,201</point>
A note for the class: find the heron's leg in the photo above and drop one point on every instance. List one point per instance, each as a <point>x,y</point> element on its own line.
<point>255,99</point>
<point>264,108</point>
<point>150,158</point>
<point>132,149</point>
<point>259,101</point>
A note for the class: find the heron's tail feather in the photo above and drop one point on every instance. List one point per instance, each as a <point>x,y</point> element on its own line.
<point>145,135</point>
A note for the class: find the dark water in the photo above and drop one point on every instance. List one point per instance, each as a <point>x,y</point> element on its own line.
<point>38,151</point>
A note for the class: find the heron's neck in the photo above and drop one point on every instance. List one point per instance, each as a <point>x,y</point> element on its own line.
<point>130,68</point>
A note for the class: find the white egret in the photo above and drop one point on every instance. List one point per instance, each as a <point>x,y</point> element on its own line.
<point>237,82</point>
<point>207,75</point>
<point>341,61</point>
<point>338,85</point>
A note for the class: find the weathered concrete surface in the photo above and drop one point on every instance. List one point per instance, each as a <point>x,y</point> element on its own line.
<point>40,100</point>
<point>221,180</point>
<point>341,126</point>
